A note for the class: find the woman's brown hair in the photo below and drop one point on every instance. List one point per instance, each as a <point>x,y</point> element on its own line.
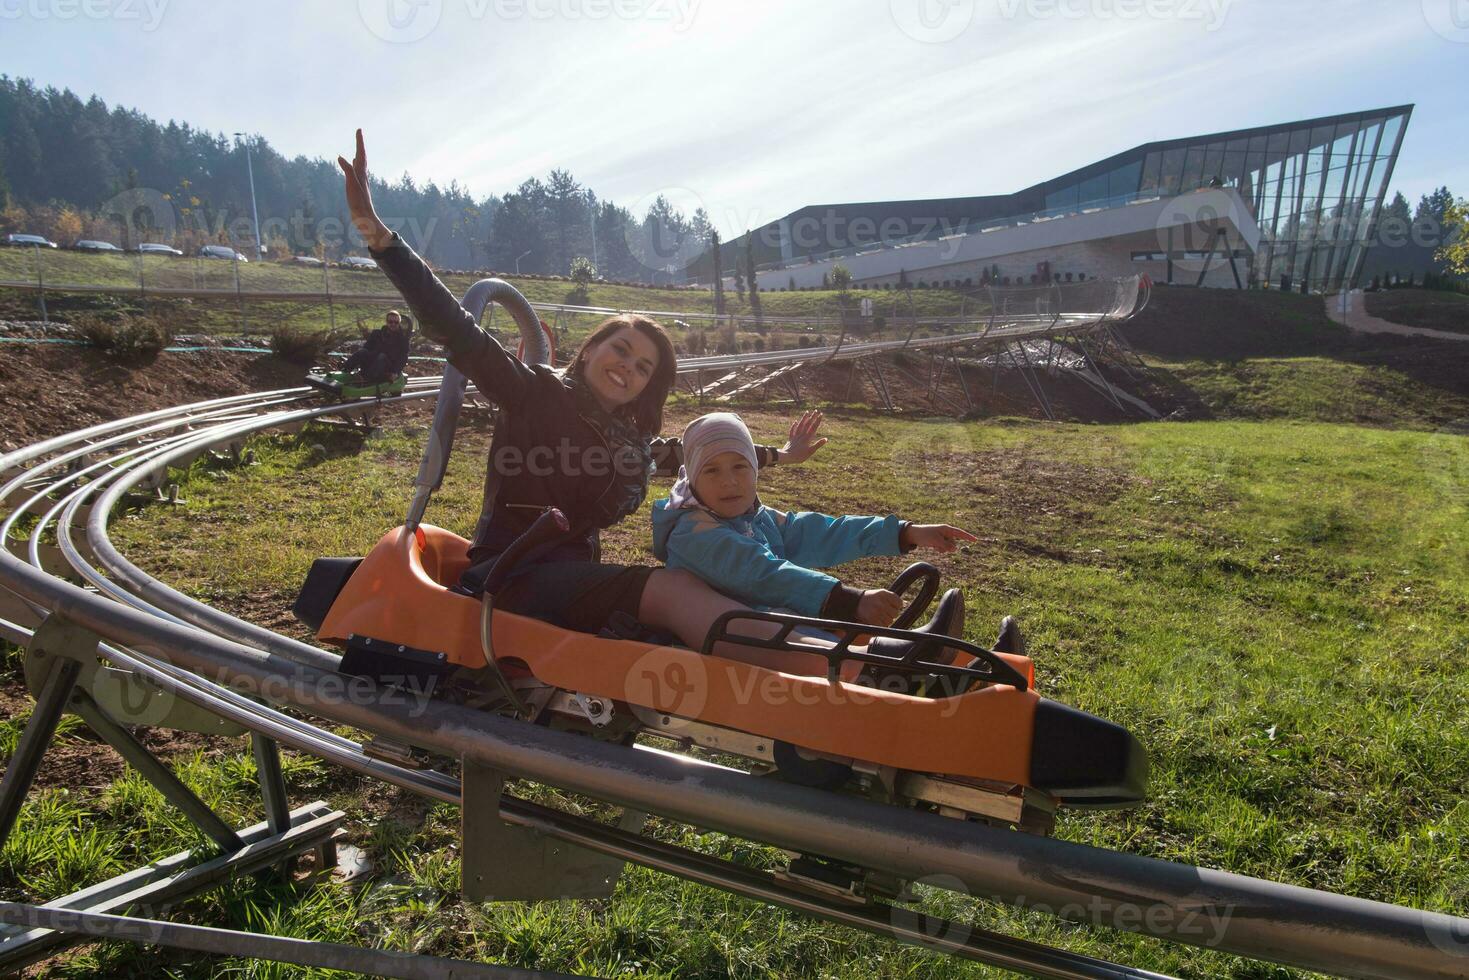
<point>647,408</point>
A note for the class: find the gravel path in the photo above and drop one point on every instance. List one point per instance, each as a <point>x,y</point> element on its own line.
<point>1350,311</point>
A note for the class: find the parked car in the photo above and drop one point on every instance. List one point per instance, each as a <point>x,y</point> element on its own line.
<point>307,260</point>
<point>358,262</point>
<point>88,245</point>
<point>221,252</point>
<point>37,241</point>
<point>157,248</point>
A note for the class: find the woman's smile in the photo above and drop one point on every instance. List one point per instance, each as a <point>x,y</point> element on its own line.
<point>619,368</point>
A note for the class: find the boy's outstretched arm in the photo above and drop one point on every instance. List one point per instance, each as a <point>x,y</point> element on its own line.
<point>821,541</point>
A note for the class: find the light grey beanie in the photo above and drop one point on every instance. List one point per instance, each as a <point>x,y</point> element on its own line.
<point>704,438</point>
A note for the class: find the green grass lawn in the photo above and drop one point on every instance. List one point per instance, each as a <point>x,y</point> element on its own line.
<point>1280,610</point>
<point>1433,308</point>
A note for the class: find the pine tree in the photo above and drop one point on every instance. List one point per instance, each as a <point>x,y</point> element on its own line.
<point>1398,209</point>
<point>718,271</point>
<point>1433,207</point>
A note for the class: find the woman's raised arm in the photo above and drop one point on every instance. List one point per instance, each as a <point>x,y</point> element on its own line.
<point>495,372</point>
<point>359,200</point>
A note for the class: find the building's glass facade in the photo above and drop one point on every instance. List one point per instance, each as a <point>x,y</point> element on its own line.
<point>1315,187</point>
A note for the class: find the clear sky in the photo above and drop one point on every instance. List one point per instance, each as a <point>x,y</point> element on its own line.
<point>757,107</point>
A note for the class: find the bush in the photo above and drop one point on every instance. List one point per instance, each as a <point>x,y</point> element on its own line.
<point>131,338</point>
<point>302,346</point>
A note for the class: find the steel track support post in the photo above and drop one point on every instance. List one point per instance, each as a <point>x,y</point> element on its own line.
<point>1032,382</point>
<point>963,384</point>
<point>1125,346</point>
<point>272,783</point>
<point>61,678</point>
<point>880,382</point>
<point>505,862</point>
<point>793,386</point>
<point>1097,370</point>
<point>164,780</point>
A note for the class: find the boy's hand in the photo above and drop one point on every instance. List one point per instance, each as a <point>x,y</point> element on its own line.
<point>939,537</point>
<point>878,607</point>
<point>802,443</point>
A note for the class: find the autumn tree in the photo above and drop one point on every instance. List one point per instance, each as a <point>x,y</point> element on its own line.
<point>1454,253</point>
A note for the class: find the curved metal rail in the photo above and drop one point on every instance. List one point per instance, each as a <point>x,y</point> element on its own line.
<point>247,675</point>
<point>209,657</point>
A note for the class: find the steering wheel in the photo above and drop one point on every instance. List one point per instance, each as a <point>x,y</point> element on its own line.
<point>921,572</point>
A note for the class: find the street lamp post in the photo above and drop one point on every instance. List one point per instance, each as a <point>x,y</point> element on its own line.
<point>521,256</point>
<point>254,211</point>
<point>592,212</point>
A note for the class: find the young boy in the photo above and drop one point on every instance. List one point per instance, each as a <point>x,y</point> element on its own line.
<point>714,525</point>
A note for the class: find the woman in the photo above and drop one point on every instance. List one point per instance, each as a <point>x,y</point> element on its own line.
<point>583,442</point>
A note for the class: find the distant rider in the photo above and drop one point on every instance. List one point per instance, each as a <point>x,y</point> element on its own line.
<point>385,353</point>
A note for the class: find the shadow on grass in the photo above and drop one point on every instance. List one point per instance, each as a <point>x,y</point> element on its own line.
<point>1223,329</point>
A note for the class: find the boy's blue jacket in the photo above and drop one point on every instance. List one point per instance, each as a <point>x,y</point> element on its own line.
<point>766,557</point>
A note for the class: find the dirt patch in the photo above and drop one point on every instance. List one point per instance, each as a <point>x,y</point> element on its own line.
<point>919,385</point>
<point>51,389</point>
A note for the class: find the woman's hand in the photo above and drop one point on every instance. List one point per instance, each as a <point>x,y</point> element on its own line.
<point>938,537</point>
<point>801,443</point>
<point>359,200</point>
<point>879,607</point>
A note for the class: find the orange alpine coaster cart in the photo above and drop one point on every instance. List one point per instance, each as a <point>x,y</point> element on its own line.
<point>978,744</point>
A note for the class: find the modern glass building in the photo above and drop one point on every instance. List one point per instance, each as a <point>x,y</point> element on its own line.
<point>1315,188</point>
